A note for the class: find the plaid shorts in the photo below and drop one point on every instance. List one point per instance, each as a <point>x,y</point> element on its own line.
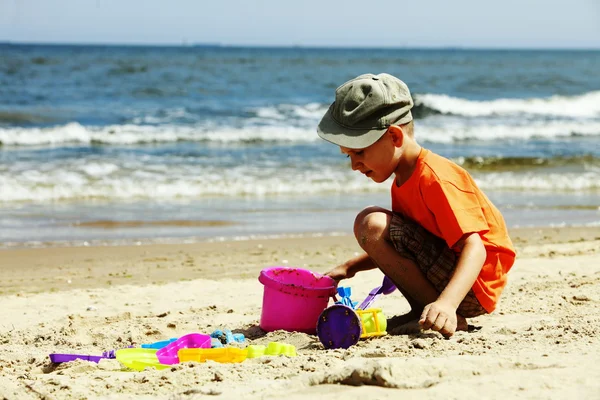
<point>433,256</point>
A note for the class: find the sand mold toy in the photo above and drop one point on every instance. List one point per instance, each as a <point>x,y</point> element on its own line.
<point>138,359</point>
<point>192,347</point>
<point>235,355</point>
<point>272,349</point>
<point>222,355</point>
<point>219,338</point>
<point>158,345</point>
<point>168,354</point>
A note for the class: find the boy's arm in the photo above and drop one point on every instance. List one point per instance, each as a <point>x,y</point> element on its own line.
<point>348,269</point>
<point>441,314</point>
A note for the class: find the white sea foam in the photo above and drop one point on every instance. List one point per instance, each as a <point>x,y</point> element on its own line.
<point>96,169</point>
<point>310,111</point>
<point>487,120</point>
<point>81,179</point>
<point>135,179</point>
<point>432,130</point>
<point>447,130</point>
<point>138,134</point>
<point>586,105</point>
<point>570,182</point>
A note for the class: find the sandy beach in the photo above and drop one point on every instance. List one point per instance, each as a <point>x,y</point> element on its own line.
<point>542,342</point>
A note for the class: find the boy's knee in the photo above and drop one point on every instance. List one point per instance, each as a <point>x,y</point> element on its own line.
<point>371,224</point>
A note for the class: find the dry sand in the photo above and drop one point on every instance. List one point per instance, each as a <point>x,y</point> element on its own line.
<point>542,342</point>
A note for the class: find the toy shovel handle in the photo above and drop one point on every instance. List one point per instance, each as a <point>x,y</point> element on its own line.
<point>387,287</point>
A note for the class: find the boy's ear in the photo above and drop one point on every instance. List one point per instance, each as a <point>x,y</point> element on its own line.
<point>397,135</point>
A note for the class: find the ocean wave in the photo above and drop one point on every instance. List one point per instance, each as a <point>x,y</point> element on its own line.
<point>426,105</point>
<point>494,164</point>
<point>314,111</point>
<point>74,133</point>
<point>280,112</point>
<point>459,130</point>
<point>78,180</point>
<point>438,131</point>
<point>582,106</point>
<point>104,182</point>
<point>586,105</point>
<point>550,182</point>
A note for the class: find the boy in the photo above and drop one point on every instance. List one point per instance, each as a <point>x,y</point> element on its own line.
<point>444,244</point>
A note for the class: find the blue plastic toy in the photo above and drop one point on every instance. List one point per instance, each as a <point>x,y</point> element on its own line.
<point>158,345</point>
<point>219,338</point>
<point>345,300</point>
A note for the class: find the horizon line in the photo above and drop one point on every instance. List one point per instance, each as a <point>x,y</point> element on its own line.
<point>291,46</point>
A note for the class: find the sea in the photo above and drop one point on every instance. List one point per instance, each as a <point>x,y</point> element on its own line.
<point>141,144</point>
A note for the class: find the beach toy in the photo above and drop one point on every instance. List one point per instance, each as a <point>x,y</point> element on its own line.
<point>235,355</point>
<point>293,298</point>
<point>158,345</point>
<point>239,337</point>
<point>273,349</point>
<point>138,359</point>
<point>168,354</point>
<point>226,337</point>
<point>222,355</point>
<point>280,349</point>
<point>345,293</point>
<point>373,322</point>
<point>340,326</point>
<point>62,358</point>
<point>387,287</point>
<point>256,350</point>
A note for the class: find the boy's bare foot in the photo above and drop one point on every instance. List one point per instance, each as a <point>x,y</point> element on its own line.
<point>408,324</point>
<point>461,323</point>
<point>405,324</point>
<point>411,327</point>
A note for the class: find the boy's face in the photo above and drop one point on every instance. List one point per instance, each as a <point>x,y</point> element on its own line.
<point>378,161</point>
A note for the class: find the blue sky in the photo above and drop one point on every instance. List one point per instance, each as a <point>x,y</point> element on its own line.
<point>366,23</point>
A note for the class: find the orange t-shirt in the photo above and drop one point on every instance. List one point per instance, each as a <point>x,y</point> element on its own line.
<point>444,199</point>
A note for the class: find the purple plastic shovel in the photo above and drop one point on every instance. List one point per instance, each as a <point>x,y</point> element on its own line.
<point>62,358</point>
<point>387,287</point>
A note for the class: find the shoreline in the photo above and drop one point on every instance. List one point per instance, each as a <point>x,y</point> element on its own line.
<point>105,223</point>
<point>57,268</point>
<point>588,229</point>
<point>151,241</point>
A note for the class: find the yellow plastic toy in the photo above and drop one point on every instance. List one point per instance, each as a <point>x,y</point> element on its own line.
<point>374,322</point>
<point>273,349</point>
<point>235,355</point>
<point>222,355</point>
<point>139,359</point>
<point>255,351</point>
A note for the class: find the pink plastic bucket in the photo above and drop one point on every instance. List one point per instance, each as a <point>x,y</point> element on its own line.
<point>293,298</point>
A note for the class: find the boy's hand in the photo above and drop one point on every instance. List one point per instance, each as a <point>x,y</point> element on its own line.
<point>340,272</point>
<point>440,317</point>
